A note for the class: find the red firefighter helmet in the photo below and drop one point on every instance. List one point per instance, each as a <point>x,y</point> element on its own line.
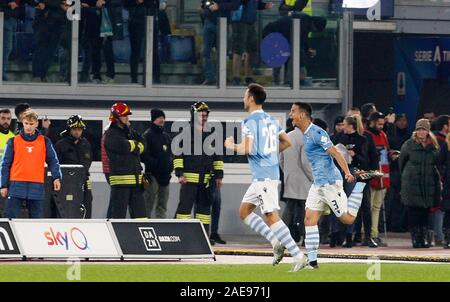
<point>118,110</point>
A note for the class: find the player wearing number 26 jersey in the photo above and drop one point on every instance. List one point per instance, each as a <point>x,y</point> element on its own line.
<point>262,139</point>
<point>264,130</point>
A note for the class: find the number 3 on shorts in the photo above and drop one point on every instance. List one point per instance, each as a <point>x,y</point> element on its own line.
<point>336,207</point>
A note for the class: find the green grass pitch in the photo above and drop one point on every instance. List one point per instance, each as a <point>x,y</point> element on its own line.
<point>224,273</point>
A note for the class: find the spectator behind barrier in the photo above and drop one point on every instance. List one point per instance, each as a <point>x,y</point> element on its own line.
<point>51,28</point>
<point>12,11</point>
<point>244,38</point>
<point>308,24</point>
<point>138,11</point>
<point>210,13</point>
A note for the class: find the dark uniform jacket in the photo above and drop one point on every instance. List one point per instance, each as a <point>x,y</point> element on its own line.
<point>70,153</point>
<point>124,156</point>
<point>199,168</point>
<point>158,157</point>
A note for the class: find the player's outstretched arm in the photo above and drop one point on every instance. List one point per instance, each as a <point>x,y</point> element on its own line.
<point>243,148</point>
<point>285,141</point>
<point>342,163</point>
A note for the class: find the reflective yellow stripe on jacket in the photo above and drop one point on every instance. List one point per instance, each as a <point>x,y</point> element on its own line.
<point>132,145</point>
<point>88,184</point>
<point>195,177</point>
<point>178,163</point>
<point>124,180</point>
<point>218,165</point>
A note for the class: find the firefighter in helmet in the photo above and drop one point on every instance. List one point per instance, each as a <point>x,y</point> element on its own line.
<point>199,173</point>
<point>123,147</point>
<point>74,149</point>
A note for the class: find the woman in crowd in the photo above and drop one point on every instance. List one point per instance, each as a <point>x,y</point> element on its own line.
<point>421,185</point>
<point>357,147</point>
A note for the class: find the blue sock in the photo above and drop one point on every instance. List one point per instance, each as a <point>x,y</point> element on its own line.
<point>283,234</point>
<point>355,199</point>
<point>312,242</point>
<point>258,225</point>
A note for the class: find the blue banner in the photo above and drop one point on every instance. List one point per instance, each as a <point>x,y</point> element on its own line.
<point>416,60</point>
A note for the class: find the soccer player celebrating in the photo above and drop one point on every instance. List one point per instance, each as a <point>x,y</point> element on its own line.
<point>327,189</point>
<point>262,139</point>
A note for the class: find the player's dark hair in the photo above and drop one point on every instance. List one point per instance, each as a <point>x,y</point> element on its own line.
<point>20,108</point>
<point>5,110</point>
<point>305,107</point>
<point>441,121</point>
<point>258,92</point>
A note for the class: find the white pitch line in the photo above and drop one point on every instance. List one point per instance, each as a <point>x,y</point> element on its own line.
<point>220,259</point>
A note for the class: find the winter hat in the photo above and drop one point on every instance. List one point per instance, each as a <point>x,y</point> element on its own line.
<point>155,113</point>
<point>423,124</point>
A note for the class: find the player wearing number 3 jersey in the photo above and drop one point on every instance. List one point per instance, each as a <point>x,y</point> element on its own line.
<point>262,139</point>
<point>327,190</point>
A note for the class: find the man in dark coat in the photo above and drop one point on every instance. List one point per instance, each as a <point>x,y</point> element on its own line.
<point>51,28</point>
<point>158,162</point>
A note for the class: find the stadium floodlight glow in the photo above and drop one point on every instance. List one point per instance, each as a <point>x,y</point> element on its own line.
<point>359,3</point>
<point>373,7</point>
